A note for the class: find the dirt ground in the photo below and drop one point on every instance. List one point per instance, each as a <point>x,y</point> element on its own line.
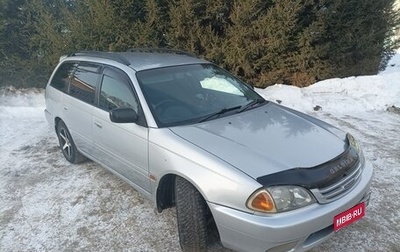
<point>47,204</point>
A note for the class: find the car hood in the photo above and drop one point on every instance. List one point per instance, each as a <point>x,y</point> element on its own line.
<point>265,140</point>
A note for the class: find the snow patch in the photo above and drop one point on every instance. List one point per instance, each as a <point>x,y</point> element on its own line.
<point>352,94</point>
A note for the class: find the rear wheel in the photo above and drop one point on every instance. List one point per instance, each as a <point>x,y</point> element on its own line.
<point>67,145</point>
<point>191,212</point>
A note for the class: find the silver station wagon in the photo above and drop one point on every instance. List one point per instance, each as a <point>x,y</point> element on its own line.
<point>241,171</point>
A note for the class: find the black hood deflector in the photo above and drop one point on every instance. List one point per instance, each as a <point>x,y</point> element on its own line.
<point>316,177</point>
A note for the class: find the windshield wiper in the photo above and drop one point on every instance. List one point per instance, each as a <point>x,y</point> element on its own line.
<point>251,104</point>
<point>218,113</point>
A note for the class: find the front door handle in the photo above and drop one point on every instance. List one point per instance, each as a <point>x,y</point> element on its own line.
<point>98,124</point>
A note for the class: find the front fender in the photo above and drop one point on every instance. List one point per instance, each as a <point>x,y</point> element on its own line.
<point>217,181</point>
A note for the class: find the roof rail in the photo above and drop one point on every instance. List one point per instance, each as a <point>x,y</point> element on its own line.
<point>105,55</point>
<point>160,50</point>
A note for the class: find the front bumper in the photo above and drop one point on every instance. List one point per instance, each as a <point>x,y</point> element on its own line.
<point>297,230</point>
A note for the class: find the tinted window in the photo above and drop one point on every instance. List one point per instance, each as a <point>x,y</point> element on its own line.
<point>116,91</point>
<point>83,82</point>
<point>61,77</point>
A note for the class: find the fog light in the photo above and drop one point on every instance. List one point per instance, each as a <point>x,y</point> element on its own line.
<point>284,247</point>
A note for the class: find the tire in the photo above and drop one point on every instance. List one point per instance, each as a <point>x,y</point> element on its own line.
<point>67,145</point>
<point>191,212</point>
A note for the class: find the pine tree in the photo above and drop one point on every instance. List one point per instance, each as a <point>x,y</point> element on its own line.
<point>293,42</point>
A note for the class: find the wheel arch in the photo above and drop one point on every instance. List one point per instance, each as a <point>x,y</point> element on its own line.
<point>57,120</point>
<point>165,192</point>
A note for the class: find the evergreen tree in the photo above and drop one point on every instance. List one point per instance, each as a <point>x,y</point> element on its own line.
<point>265,42</point>
<point>14,41</point>
<point>357,35</point>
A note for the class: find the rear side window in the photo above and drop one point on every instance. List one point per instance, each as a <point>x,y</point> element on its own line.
<point>84,81</point>
<point>61,77</point>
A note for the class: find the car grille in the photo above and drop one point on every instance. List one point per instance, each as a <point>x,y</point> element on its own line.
<point>340,188</point>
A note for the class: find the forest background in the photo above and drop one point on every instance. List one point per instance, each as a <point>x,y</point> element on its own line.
<point>294,42</point>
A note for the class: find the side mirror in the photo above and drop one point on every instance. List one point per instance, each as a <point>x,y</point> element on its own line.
<point>123,115</point>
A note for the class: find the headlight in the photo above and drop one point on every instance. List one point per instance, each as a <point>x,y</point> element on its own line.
<point>353,142</point>
<point>277,199</point>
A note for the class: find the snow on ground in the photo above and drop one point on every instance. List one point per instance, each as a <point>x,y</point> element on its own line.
<point>47,204</point>
<point>348,95</point>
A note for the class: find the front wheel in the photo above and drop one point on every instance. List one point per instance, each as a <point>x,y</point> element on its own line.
<point>191,212</point>
<point>67,145</point>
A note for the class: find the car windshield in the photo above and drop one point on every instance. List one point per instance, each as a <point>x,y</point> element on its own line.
<point>189,94</point>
